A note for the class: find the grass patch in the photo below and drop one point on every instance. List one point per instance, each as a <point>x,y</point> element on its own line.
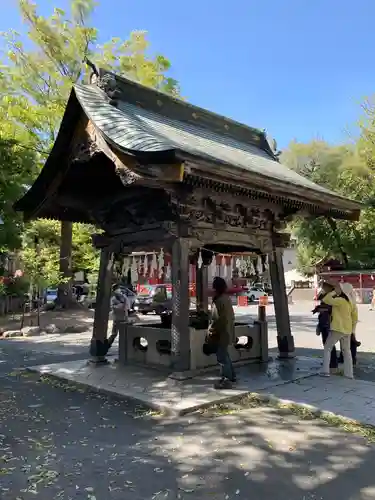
<point>303,412</point>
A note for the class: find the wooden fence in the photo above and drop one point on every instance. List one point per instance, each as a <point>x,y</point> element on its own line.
<point>11,305</point>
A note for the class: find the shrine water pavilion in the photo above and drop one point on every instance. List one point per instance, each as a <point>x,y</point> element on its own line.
<point>155,172</point>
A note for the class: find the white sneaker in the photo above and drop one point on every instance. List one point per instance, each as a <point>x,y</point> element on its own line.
<point>324,374</point>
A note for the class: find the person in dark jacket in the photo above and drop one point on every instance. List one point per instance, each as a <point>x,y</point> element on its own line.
<point>323,328</point>
<point>221,332</point>
<point>324,323</point>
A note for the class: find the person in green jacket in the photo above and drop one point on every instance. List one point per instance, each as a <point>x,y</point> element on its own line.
<point>221,332</point>
<point>343,323</point>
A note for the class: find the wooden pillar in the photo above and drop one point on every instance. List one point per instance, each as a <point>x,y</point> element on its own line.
<point>285,341</point>
<point>180,332</point>
<point>64,293</point>
<point>99,344</point>
<point>202,288</point>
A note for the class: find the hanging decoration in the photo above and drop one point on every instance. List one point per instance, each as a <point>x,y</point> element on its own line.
<point>243,266</point>
<point>144,265</point>
<point>134,271</point>
<point>238,265</point>
<point>265,262</point>
<point>161,263</point>
<point>230,269</point>
<point>200,260</point>
<point>259,265</point>
<point>213,266</point>
<point>154,265</point>
<point>125,266</point>
<point>168,273</point>
<point>222,267</point>
<point>251,267</point>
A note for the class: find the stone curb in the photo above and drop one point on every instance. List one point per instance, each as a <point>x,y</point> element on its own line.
<point>274,401</point>
<point>166,410</point>
<point>267,399</point>
<point>99,390</point>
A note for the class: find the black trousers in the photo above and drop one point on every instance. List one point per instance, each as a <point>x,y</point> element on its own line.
<point>334,361</point>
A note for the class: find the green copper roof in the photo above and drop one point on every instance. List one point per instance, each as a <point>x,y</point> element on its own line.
<point>134,129</point>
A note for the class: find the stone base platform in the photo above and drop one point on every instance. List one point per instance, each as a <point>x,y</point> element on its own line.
<point>176,397</point>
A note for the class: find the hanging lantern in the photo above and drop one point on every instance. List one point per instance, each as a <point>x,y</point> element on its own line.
<point>161,263</point>
<point>200,260</point>
<point>134,271</point>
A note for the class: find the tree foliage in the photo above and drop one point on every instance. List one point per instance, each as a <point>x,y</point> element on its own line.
<point>41,251</point>
<point>343,169</point>
<point>35,82</point>
<point>17,168</point>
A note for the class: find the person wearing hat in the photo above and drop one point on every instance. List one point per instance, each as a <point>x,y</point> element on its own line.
<point>343,323</point>
<point>324,322</point>
<point>354,343</point>
<point>221,332</point>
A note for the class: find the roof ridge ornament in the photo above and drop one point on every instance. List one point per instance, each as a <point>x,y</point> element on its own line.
<point>106,81</point>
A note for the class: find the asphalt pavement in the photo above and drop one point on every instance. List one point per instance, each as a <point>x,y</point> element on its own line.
<point>62,442</point>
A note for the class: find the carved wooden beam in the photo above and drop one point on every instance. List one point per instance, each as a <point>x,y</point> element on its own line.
<point>149,237</point>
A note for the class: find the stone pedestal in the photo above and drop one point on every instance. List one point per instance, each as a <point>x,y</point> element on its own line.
<point>150,345</point>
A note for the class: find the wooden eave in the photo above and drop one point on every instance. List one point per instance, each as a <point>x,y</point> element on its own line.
<point>226,179</point>
<point>55,167</point>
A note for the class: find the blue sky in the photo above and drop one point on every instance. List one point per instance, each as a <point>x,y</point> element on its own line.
<point>298,68</point>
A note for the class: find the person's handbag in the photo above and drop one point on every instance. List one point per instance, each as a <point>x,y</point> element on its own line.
<point>209,346</point>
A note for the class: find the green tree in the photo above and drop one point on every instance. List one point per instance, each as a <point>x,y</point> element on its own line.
<point>40,252</point>
<point>37,77</point>
<point>344,170</point>
<point>17,169</point>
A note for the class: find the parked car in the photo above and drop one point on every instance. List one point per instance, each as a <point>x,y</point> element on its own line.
<point>50,295</point>
<point>263,286</point>
<point>90,300</point>
<point>254,293</point>
<point>130,295</point>
<point>154,299</point>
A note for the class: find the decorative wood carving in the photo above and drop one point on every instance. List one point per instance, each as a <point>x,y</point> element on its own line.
<point>91,142</point>
<point>147,239</point>
<point>108,84</point>
<point>215,210</point>
<point>230,238</point>
<point>137,208</point>
<point>84,151</point>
